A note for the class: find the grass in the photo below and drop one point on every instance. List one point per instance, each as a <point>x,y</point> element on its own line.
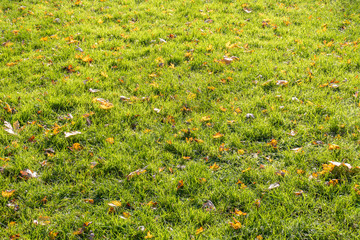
<point>197,124</point>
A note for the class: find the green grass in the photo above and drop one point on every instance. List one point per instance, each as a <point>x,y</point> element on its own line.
<point>313,45</point>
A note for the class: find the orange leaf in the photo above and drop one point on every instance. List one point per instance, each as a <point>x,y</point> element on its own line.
<point>200,230</point>
<point>236,225</point>
<point>180,184</point>
<point>214,167</point>
<point>148,235</point>
<point>7,193</point>
<point>239,213</point>
<point>333,146</point>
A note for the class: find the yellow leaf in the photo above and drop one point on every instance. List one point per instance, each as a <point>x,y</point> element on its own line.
<point>7,193</point>
<point>300,171</point>
<point>218,135</point>
<point>236,225</point>
<point>77,147</point>
<point>106,106</point>
<point>273,143</point>
<point>10,64</point>
<point>87,59</point>
<point>200,230</point>
<point>148,235</point>
<point>104,74</point>
<point>239,213</point>
<point>53,235</point>
<point>222,109</point>
<point>333,147</point>
<point>110,140</point>
<point>7,44</point>
<point>205,119</point>
<point>114,204</point>
<point>214,167</point>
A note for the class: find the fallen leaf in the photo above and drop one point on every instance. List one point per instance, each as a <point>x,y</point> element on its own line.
<point>247,10</point>
<point>79,231</point>
<point>218,135</point>
<point>89,200</point>
<point>7,193</point>
<point>114,204</point>
<point>297,150</point>
<point>69,134</point>
<point>27,173</point>
<point>273,143</point>
<point>87,59</point>
<point>228,60</point>
<point>126,215</point>
<point>274,185</point>
<point>200,230</point>
<point>239,213</point>
<point>148,235</point>
<point>104,104</point>
<point>333,147</point>
<point>281,172</point>
<point>9,128</point>
<point>205,119</point>
<point>94,90</point>
<point>76,147</point>
<point>249,115</point>
<point>282,82</point>
<point>292,133</point>
<point>300,171</point>
<point>42,220</point>
<point>214,167</point>
<point>180,184</point>
<point>137,172</point>
<point>110,140</point>
<point>257,203</point>
<point>338,164</point>
<point>209,206</point>
<point>53,235</point>
<point>236,224</point>
<point>15,236</point>
<point>300,193</point>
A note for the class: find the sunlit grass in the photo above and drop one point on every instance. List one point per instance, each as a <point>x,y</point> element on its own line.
<point>163,119</point>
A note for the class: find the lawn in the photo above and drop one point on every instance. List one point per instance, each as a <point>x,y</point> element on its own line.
<point>189,119</point>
